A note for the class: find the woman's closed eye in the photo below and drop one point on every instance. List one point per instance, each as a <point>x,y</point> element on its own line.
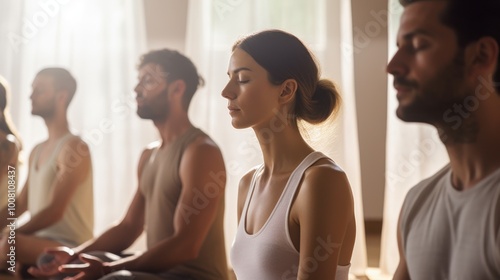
<point>242,79</point>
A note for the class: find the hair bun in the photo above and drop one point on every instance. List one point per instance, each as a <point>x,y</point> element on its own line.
<point>325,101</point>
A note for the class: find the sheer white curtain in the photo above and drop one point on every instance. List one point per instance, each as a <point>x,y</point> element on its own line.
<point>100,43</point>
<point>325,26</point>
<point>414,152</point>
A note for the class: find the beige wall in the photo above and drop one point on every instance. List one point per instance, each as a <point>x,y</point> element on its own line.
<point>166,23</point>
<point>166,27</point>
<point>370,31</point>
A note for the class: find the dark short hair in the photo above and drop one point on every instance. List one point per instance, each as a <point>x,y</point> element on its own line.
<point>472,20</point>
<point>177,67</point>
<point>284,57</point>
<point>63,80</point>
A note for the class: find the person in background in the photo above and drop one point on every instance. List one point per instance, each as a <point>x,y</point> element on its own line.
<point>180,199</point>
<point>295,211</point>
<point>10,145</point>
<point>446,73</point>
<point>58,192</point>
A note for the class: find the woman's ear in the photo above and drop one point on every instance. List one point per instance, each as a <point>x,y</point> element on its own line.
<point>288,90</point>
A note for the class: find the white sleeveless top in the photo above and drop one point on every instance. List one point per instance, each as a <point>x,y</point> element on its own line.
<point>269,254</point>
<point>77,223</point>
<point>451,234</point>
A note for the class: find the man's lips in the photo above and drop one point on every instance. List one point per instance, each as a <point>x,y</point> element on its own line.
<point>402,89</point>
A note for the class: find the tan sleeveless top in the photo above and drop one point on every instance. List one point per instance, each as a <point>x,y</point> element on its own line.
<point>77,224</point>
<point>269,254</point>
<point>161,187</point>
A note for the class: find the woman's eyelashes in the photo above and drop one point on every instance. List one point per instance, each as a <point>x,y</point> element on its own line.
<point>239,79</point>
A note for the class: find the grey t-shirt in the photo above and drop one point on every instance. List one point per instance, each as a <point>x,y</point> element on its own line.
<point>449,234</point>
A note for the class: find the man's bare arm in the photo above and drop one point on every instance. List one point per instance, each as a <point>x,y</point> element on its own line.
<point>201,170</point>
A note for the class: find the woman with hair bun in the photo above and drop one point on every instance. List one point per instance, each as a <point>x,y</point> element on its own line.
<point>295,211</point>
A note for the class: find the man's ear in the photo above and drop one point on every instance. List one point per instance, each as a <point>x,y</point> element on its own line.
<point>63,97</point>
<point>288,90</point>
<point>483,57</point>
<point>177,88</point>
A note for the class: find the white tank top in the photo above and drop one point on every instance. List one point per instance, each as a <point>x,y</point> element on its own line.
<point>451,234</point>
<point>269,254</point>
<point>77,223</point>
